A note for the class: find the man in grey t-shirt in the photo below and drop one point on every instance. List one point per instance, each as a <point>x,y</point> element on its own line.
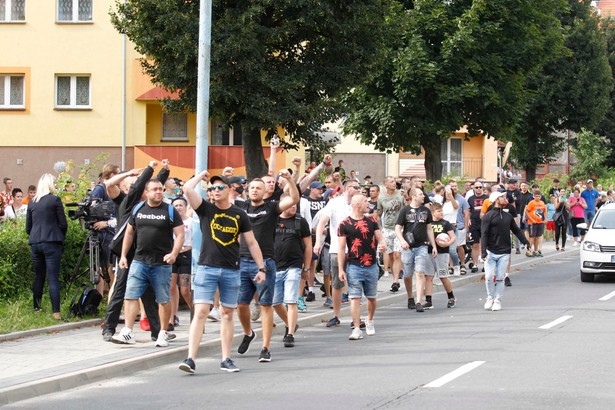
<point>389,203</point>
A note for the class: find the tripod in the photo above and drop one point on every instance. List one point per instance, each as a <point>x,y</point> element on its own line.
<point>91,246</point>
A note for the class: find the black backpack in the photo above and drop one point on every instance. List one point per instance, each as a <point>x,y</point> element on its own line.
<point>85,301</point>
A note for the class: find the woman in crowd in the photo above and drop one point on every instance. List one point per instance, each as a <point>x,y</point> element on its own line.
<point>18,208</point>
<point>183,264</point>
<point>561,207</point>
<point>577,206</point>
<point>46,226</point>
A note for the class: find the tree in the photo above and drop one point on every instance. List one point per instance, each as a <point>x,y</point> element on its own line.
<point>607,125</point>
<point>569,93</point>
<point>457,63</point>
<point>274,64</point>
<point>591,152</point>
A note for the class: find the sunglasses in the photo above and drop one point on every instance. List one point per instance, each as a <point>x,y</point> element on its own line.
<point>217,188</point>
<point>354,186</point>
<point>478,187</point>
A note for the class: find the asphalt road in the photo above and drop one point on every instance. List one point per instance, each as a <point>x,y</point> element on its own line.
<point>551,347</point>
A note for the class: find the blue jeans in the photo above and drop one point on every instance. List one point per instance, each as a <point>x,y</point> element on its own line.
<point>248,285</point>
<point>141,275</point>
<point>495,270</point>
<point>452,250</point>
<point>589,215</point>
<point>46,257</point>
<point>362,279</point>
<point>207,279</point>
<point>415,260</point>
<point>286,286</point>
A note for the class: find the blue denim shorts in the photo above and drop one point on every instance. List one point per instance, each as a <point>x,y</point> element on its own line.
<point>141,274</point>
<point>286,286</point>
<point>247,287</point>
<point>209,278</point>
<point>415,260</point>
<point>362,280</point>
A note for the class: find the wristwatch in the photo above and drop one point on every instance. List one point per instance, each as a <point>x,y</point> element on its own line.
<point>306,269</point>
<point>263,269</point>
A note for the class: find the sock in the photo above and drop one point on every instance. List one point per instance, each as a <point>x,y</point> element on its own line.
<point>450,295</point>
<point>428,298</point>
<point>311,289</point>
<point>506,274</point>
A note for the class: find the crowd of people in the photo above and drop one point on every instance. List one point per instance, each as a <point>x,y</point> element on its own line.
<point>262,242</point>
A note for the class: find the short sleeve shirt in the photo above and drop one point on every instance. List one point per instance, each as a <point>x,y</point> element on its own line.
<point>263,219</point>
<point>154,233</point>
<point>415,220</point>
<point>289,242</point>
<point>360,240</point>
<point>390,205</point>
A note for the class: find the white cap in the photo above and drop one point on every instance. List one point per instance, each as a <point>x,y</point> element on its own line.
<point>495,195</point>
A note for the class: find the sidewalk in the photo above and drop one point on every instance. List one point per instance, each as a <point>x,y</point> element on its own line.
<point>65,356</point>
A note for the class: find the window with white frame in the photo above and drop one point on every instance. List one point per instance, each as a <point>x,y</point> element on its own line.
<point>74,10</point>
<point>12,91</point>
<point>174,126</point>
<point>451,157</point>
<point>230,136</point>
<point>12,10</point>
<point>72,91</point>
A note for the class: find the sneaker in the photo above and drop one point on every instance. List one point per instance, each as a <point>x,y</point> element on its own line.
<point>228,365</point>
<point>334,321</point>
<point>497,305</point>
<point>456,271</point>
<point>462,270</point>
<point>162,340</point>
<point>518,251</point>
<point>310,297</point>
<point>369,328</point>
<point>507,281</point>
<point>170,327</point>
<point>286,332</point>
<point>345,298</point>
<point>489,303</point>
<point>539,254</point>
<point>474,269</point>
<point>575,243</point>
<point>188,366</point>
<point>451,303</point>
<point>108,335</point>
<point>529,254</point>
<point>356,334</point>
<point>214,314</point>
<point>395,287</point>
<point>328,302</point>
<point>289,341</point>
<point>419,308</point>
<point>255,311</point>
<point>387,274</point>
<point>265,356</point>
<point>427,305</point>
<point>361,324</point>
<point>126,337</point>
<point>175,320</point>
<point>301,307</point>
<point>411,304</point>
<point>245,343</point>
<point>144,324</point>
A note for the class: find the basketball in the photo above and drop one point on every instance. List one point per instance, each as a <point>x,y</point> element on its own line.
<point>442,239</point>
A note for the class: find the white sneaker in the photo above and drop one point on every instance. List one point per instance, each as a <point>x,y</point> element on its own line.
<point>356,334</point>
<point>489,303</point>
<point>497,305</point>
<point>456,271</point>
<point>369,328</point>
<point>214,314</point>
<point>162,340</point>
<point>575,243</point>
<point>125,337</point>
<point>387,274</point>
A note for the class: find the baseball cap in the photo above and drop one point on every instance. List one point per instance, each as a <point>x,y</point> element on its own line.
<point>495,195</point>
<point>590,180</point>
<point>238,180</point>
<point>316,184</point>
<point>220,178</point>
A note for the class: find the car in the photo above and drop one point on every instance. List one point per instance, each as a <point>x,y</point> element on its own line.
<point>597,255</point>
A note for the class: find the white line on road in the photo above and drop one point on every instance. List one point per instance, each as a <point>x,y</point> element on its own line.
<point>555,322</point>
<point>454,374</point>
<point>607,297</point>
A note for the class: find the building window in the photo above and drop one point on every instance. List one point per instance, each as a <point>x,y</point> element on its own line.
<point>12,10</point>
<point>451,157</point>
<point>74,10</point>
<point>221,136</point>
<point>174,127</point>
<point>72,91</point>
<point>12,92</point>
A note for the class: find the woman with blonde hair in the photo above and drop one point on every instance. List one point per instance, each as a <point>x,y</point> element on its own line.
<point>46,227</point>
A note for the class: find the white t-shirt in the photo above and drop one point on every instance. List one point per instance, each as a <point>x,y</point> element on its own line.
<point>337,210</point>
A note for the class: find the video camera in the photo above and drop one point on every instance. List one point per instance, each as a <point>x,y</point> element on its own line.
<point>91,210</point>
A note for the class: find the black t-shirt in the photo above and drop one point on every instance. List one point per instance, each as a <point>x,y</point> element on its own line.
<point>371,207</point>
<point>514,197</point>
<point>415,220</point>
<point>360,240</point>
<point>439,227</point>
<point>154,232</point>
<point>220,229</point>
<point>476,204</point>
<point>316,205</point>
<point>263,219</point>
<point>289,243</point>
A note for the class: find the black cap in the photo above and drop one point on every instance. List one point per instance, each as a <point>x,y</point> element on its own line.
<point>238,180</point>
<point>220,178</point>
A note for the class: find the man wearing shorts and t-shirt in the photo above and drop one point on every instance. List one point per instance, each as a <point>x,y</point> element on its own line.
<point>476,203</point>
<point>389,205</point>
<point>536,215</point>
<point>218,267</point>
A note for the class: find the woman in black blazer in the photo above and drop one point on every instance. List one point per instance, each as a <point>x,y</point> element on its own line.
<point>46,226</point>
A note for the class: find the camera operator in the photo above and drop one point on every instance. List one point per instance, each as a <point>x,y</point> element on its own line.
<point>105,229</point>
<point>125,200</point>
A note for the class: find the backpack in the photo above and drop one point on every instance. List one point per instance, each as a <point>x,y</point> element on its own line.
<point>85,301</point>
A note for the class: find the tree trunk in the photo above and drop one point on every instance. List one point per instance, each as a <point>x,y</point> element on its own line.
<point>433,160</point>
<point>253,155</point>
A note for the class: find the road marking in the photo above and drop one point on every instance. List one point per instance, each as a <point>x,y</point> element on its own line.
<point>454,374</point>
<point>555,322</point>
<point>607,297</point>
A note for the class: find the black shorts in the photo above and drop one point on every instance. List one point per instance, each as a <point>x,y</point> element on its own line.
<point>473,234</point>
<point>183,263</point>
<point>537,230</point>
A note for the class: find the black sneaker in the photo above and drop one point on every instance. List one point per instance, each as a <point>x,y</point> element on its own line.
<point>474,269</point>
<point>507,281</point>
<point>451,303</point>
<point>108,335</point>
<point>419,308</point>
<point>427,305</point>
<point>245,343</point>
<point>188,366</point>
<point>286,332</point>
<point>361,324</point>
<point>411,304</point>
<point>289,341</point>
<point>310,297</point>
<point>394,287</point>
<point>334,321</point>
<point>228,365</point>
<point>265,355</point>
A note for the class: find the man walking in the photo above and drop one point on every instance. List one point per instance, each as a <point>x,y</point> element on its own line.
<point>390,203</point>
<point>590,195</point>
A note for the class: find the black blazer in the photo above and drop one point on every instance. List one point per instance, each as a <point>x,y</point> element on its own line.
<point>45,220</point>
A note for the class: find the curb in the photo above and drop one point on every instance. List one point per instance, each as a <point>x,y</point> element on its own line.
<point>50,329</point>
